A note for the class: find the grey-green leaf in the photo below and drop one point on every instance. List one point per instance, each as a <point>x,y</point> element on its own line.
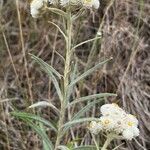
<point>45,66</point>
<point>88,72</point>
<point>89,147</point>
<point>74,122</point>
<point>30,116</point>
<point>41,133</point>
<point>85,109</point>
<point>50,71</point>
<point>62,147</point>
<point>94,96</point>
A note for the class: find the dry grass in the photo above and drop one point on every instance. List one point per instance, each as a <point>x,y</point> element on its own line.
<point>126,37</point>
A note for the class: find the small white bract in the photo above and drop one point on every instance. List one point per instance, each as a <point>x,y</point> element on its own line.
<point>115,120</point>
<point>35,7</point>
<point>64,2</point>
<point>95,127</point>
<point>91,3</point>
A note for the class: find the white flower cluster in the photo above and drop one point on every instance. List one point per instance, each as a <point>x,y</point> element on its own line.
<point>36,5</point>
<point>116,120</point>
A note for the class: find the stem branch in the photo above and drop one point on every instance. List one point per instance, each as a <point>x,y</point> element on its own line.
<point>107,142</point>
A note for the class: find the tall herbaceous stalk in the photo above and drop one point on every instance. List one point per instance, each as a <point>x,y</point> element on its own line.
<point>65,77</point>
<point>114,122</point>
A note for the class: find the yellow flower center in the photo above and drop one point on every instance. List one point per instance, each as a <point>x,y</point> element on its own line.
<point>130,124</point>
<point>132,116</point>
<point>116,105</point>
<point>106,122</point>
<point>87,1</point>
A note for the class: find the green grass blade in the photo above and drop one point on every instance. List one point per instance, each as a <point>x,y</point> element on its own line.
<point>88,72</point>
<point>30,116</point>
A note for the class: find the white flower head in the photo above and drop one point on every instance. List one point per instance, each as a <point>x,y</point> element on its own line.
<point>133,119</point>
<point>136,131</point>
<point>128,134</point>
<point>107,123</point>
<point>112,110</point>
<point>91,3</point>
<point>95,127</point>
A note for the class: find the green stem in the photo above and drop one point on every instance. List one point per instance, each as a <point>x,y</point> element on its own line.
<point>107,142</point>
<point>66,80</point>
<point>95,141</point>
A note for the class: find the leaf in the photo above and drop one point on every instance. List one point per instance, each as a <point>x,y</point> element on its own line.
<point>87,98</point>
<point>88,72</point>
<point>45,66</point>
<point>87,41</point>
<point>60,30</point>
<point>49,70</point>
<point>57,11</point>
<point>62,147</point>
<point>30,116</point>
<point>85,109</point>
<point>41,133</point>
<point>71,123</point>
<point>45,145</point>
<point>45,104</point>
<point>88,147</point>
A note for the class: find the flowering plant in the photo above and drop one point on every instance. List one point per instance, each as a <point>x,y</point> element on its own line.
<point>114,121</point>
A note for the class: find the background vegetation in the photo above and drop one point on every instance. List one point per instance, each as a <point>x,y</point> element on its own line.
<point>125,28</point>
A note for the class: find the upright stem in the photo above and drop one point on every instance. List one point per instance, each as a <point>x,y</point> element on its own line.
<point>95,141</point>
<point>66,80</point>
<point>107,142</point>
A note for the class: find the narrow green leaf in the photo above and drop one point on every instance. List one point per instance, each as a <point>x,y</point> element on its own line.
<point>87,41</point>
<point>44,104</point>
<point>57,11</point>
<point>74,122</point>
<point>85,109</point>
<point>40,132</point>
<point>45,145</point>
<point>49,70</point>
<point>94,96</point>
<point>45,66</point>
<point>88,72</point>
<point>60,30</point>
<point>62,147</point>
<point>30,116</point>
<point>89,147</point>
